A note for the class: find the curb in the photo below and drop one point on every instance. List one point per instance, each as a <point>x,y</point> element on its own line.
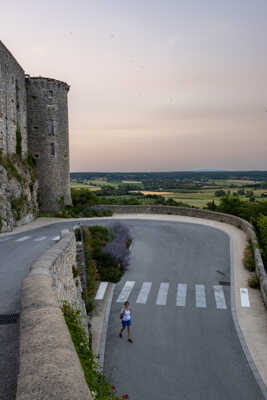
<point>240,335</point>
<point>105,328</point>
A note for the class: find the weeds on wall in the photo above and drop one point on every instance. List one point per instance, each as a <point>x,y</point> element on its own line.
<point>19,206</point>
<point>18,142</point>
<point>99,387</point>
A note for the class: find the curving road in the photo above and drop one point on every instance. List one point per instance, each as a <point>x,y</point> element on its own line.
<point>190,351</point>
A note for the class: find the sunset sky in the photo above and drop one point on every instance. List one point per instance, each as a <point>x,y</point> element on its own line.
<point>155,85</point>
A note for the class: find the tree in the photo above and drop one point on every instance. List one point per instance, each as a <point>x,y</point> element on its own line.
<point>220,193</point>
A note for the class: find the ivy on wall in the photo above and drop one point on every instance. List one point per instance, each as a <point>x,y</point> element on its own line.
<point>18,142</point>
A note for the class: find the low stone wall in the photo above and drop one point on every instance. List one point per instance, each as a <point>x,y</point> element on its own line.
<point>49,365</point>
<point>198,213</point>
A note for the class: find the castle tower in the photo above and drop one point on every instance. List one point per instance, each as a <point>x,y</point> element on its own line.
<point>13,106</point>
<point>48,139</point>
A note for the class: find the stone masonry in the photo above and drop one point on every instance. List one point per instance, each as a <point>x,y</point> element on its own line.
<point>13,105</point>
<point>36,109</point>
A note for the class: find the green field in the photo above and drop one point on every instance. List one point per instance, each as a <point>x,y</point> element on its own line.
<point>197,198</point>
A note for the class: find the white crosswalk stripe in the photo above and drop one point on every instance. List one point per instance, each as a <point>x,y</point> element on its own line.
<point>244,297</point>
<point>181,295</point>
<point>219,297</point>
<point>22,239</point>
<point>162,294</point>
<point>144,292</point>
<point>200,296</point>
<point>125,293</point>
<point>39,239</point>
<point>101,291</point>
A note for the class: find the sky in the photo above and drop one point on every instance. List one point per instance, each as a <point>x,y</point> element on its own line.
<point>163,85</point>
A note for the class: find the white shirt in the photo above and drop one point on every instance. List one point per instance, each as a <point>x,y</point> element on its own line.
<point>126,314</point>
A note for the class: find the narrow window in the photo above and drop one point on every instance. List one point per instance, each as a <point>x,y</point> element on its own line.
<point>52,149</point>
<point>51,128</point>
<point>51,93</point>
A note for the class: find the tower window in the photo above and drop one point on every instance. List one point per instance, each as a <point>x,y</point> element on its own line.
<point>51,93</point>
<point>51,127</point>
<point>52,149</point>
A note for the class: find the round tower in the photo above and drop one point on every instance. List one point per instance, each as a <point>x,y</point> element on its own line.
<point>48,139</point>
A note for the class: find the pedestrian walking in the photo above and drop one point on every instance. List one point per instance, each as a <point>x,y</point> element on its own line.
<point>125,316</point>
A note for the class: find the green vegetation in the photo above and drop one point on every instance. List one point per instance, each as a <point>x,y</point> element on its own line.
<point>96,381</point>
<point>9,163</point>
<point>249,261</point>
<point>19,206</point>
<point>106,257</point>
<point>253,212</point>
<point>18,142</point>
<point>85,204</point>
<point>254,281</point>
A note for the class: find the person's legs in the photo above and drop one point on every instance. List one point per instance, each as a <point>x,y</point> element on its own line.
<point>122,328</point>
<point>129,331</point>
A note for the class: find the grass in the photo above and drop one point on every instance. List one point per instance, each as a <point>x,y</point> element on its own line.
<point>248,259</point>
<point>198,198</point>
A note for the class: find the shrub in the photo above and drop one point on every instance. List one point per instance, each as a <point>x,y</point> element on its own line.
<point>118,248</point>
<point>254,281</point>
<point>18,206</point>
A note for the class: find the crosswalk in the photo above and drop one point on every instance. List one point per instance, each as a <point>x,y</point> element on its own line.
<point>201,294</point>
<point>29,238</point>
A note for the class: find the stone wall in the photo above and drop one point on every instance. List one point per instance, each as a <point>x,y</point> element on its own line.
<point>49,139</point>
<point>34,120</point>
<point>198,213</point>
<point>13,104</point>
<point>49,365</point>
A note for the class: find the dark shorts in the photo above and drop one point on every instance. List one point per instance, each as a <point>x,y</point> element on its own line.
<point>126,323</point>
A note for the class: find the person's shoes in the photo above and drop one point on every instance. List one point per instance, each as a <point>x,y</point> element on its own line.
<point>130,340</point>
<point>120,335</point>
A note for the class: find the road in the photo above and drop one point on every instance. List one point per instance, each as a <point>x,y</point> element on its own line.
<point>186,352</point>
<point>189,351</point>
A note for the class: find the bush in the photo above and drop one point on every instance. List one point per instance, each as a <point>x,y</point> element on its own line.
<point>254,281</point>
<point>118,248</point>
<point>18,206</point>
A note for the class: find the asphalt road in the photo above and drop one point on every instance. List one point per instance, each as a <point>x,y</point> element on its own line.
<point>178,352</point>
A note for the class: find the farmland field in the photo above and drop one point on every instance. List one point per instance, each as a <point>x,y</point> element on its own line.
<point>193,189</point>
